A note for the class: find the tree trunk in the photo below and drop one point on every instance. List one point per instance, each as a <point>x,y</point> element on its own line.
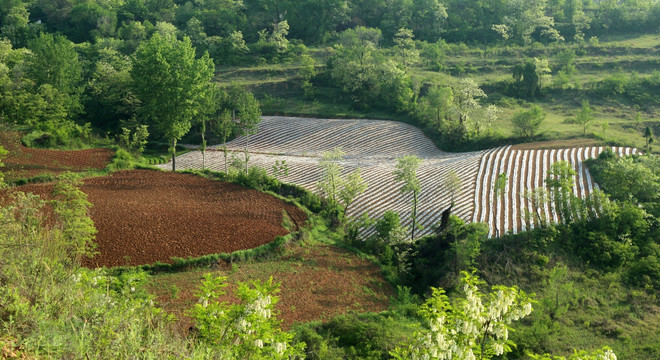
<point>414,216</point>
<point>247,156</point>
<point>203,152</point>
<point>173,154</point>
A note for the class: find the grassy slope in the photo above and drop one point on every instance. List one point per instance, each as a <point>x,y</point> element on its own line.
<point>278,89</point>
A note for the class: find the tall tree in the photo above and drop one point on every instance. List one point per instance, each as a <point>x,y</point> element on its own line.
<point>648,135</point>
<point>585,116</point>
<point>247,116</point>
<point>466,100</point>
<point>170,84</point>
<point>54,61</point>
<point>406,172</point>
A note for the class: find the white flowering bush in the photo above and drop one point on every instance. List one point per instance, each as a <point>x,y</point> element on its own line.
<point>247,330</point>
<point>475,326</point>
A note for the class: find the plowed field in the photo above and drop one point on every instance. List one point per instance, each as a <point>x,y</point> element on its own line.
<point>145,216</point>
<point>24,162</point>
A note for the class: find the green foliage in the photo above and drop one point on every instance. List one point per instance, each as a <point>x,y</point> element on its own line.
<point>585,116</point>
<point>527,122</point>
<point>338,190</point>
<point>134,141</point>
<point>56,309</point>
<point>474,326</point>
<point>249,329</point>
<point>170,83</point>
<point>406,173</point>
<point>72,209</point>
<point>526,80</point>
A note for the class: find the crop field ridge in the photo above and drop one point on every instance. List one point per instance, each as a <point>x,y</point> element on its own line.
<point>373,146</point>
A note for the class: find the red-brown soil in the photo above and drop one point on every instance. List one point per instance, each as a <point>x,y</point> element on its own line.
<point>317,283</point>
<point>24,162</point>
<point>144,216</point>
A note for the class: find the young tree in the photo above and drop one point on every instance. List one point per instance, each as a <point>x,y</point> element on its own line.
<point>353,185</point>
<point>223,126</point>
<point>585,116</point>
<point>170,82</point>
<point>249,117</point>
<point>648,135</point>
<point>54,61</point>
<point>404,45</point>
<point>542,70</point>
<point>560,181</point>
<point>452,183</point>
<point>406,172</point>
<point>339,190</point>
<point>466,97</point>
<point>441,99</point>
<point>527,122</point>
<point>307,72</point>
<point>500,189</point>
<point>331,175</point>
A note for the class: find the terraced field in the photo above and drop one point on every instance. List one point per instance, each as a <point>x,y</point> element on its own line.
<point>374,145</point>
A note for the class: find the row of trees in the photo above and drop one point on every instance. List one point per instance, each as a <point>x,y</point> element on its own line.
<point>316,21</point>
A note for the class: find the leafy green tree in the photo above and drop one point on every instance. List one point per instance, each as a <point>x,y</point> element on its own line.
<point>307,72</point>
<point>72,209</point>
<point>561,179</point>
<point>15,25</point>
<point>404,46</point>
<point>354,68</point>
<point>428,19</point>
<point>542,71</point>
<point>54,61</point>
<point>170,83</point>
<point>337,189</point>
<point>331,175</point>
<point>523,18</point>
<point>246,107</point>
<point>633,180</point>
<point>406,173</point>
<point>353,185</point>
<point>527,122</point>
<point>223,127</point>
<point>585,116</point>
<point>500,189</point>
<point>441,99</point>
<point>135,140</point>
<point>475,326</point>
<point>452,183</point>
<point>466,101</point>
<point>526,80</point>
<point>648,136</point>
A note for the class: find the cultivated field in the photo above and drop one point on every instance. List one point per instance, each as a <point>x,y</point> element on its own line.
<point>374,145</point>
<point>144,216</point>
<point>23,162</point>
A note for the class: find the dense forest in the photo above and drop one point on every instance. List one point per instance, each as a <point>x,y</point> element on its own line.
<point>140,76</point>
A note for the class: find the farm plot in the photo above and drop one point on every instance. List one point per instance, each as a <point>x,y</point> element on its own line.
<point>23,162</point>
<point>526,171</point>
<point>374,145</point>
<point>144,216</point>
